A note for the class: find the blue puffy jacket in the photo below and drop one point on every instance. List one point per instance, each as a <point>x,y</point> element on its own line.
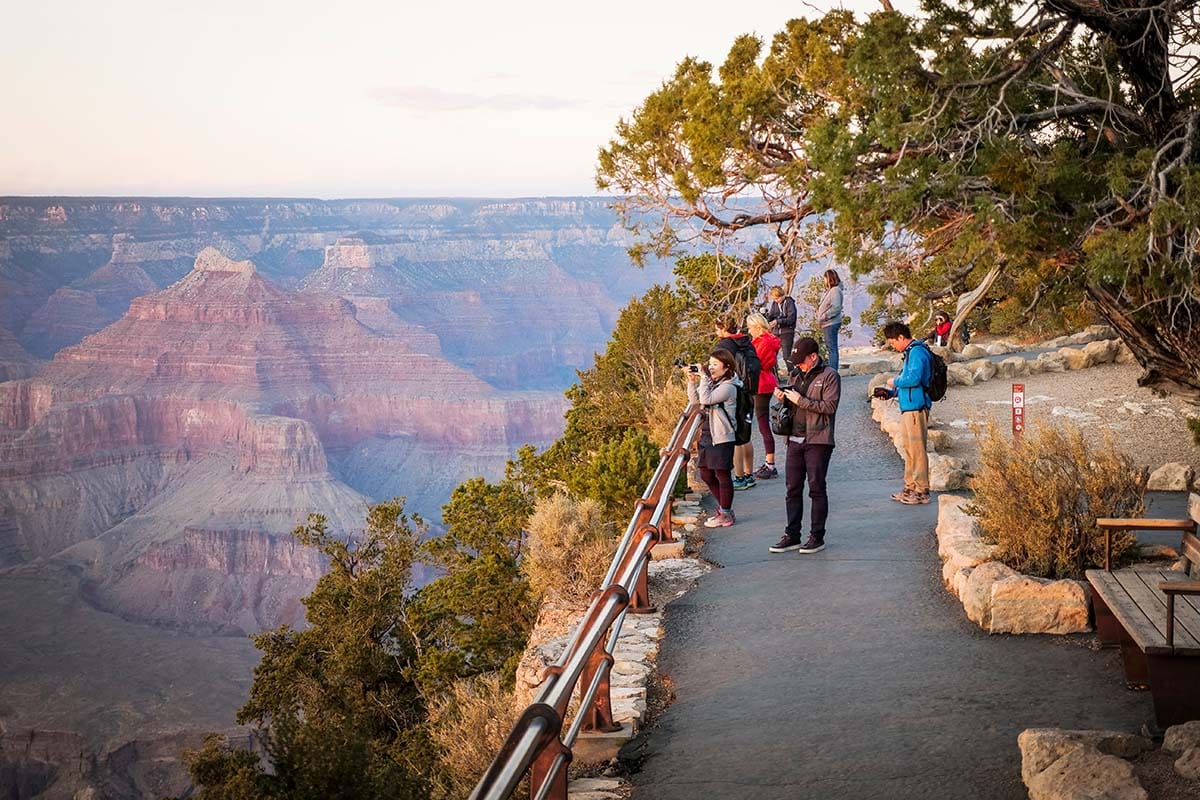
<point>913,381</point>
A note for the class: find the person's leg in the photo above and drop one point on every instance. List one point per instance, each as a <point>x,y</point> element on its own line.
<point>816,464</point>
<point>724,493</point>
<point>786,340</point>
<point>831,344</point>
<point>915,430</point>
<point>794,498</point>
<point>762,412</point>
<point>709,476</point>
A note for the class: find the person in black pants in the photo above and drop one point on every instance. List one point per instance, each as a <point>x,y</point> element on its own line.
<point>781,314</point>
<point>815,392</point>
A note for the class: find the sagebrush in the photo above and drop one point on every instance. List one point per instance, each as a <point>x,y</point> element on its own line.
<point>569,548</point>
<point>468,726</point>
<point>1039,499</point>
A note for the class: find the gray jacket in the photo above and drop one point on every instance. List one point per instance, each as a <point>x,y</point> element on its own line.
<point>830,310</point>
<point>819,402</point>
<point>713,396</point>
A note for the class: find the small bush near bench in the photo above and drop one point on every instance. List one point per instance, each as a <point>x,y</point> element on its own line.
<point>1038,500</point>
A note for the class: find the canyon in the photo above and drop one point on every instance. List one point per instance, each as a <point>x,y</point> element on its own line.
<point>184,381</point>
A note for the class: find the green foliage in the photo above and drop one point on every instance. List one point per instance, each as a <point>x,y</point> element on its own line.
<point>1194,426</point>
<point>617,473</point>
<point>336,703</point>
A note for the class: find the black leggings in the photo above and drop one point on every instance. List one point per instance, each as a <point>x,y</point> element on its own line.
<point>720,483</point>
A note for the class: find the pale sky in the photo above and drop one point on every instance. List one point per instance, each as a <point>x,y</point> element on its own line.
<point>355,98</point>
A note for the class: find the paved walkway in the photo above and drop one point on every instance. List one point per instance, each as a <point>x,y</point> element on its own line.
<point>853,673</point>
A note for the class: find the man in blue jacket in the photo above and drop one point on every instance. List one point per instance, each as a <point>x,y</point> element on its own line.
<point>911,388</point>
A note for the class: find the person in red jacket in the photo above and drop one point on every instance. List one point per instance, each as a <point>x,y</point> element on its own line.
<point>766,344</point>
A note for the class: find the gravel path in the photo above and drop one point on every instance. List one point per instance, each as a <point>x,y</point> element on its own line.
<point>1152,430</point>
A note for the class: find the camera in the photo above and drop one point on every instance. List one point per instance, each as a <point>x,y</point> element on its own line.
<point>881,393</point>
<point>679,362</point>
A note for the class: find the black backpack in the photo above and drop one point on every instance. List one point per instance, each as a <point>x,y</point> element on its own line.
<point>783,415</point>
<point>938,378</point>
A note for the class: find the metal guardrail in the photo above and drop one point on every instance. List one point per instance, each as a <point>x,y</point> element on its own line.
<point>536,744</point>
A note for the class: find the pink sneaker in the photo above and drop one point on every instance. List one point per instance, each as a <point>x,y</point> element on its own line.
<point>722,519</point>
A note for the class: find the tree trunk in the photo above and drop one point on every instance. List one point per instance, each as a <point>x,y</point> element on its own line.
<point>1169,354</point>
<point>967,302</point>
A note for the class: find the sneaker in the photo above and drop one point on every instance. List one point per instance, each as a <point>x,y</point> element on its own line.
<point>811,546</point>
<point>739,484</point>
<point>784,545</point>
<point>746,482</point>
<point>722,519</point>
<point>916,499</point>
<point>766,472</point>
<point>900,495</point>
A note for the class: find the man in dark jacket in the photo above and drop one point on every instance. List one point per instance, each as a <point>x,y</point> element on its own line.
<point>815,391</point>
<point>781,314</point>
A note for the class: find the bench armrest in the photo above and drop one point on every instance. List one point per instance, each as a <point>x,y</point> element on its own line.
<point>1109,524</point>
<point>1179,587</point>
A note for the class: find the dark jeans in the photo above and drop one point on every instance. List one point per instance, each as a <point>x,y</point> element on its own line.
<point>786,338</point>
<point>811,462</point>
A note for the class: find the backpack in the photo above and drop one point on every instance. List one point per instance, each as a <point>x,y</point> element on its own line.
<point>938,378</point>
<point>748,367</point>
<point>783,415</point>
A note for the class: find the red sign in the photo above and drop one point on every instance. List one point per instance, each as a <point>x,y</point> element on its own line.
<point>1018,409</point>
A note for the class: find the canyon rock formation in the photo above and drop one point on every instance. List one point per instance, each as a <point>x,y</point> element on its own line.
<point>217,370</point>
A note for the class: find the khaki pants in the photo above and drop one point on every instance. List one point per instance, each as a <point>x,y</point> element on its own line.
<point>915,428</point>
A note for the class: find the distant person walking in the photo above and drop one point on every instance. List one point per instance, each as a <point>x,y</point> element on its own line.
<point>829,315</point>
<point>714,387</point>
<point>911,388</point>
<point>781,314</point>
<point>746,357</point>
<point>815,391</point>
<point>766,344</point>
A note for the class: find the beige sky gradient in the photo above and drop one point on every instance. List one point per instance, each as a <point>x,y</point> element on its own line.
<point>349,99</point>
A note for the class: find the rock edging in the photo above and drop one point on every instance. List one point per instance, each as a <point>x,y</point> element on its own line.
<point>946,473</point>
<point>996,597</point>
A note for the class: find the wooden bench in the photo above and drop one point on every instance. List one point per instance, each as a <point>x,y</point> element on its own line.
<point>1154,616</point>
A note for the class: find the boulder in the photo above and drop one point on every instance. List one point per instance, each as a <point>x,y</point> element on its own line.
<point>872,367</point>
<point>947,473</point>
<point>1172,477</point>
<point>1188,765</point>
<point>953,518</point>
<point>963,553</point>
<point>985,372</point>
<point>1052,362</point>
<point>959,375</point>
<point>1041,747</point>
<point>1075,358</point>
<point>1085,773</point>
<point>1179,738</point>
<point>1012,367</point>
<point>1123,354</point>
<point>958,581</point>
<point>977,597</point>
<point>940,440</point>
<point>1194,506</point>
<point>1101,352</point>
<point>998,348</point>
<point>1024,604</point>
<point>974,351</point>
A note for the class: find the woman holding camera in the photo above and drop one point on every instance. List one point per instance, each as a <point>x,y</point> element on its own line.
<point>715,388</point>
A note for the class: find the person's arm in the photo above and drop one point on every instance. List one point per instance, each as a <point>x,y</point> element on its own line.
<point>831,395</point>
<point>711,394</point>
<point>915,369</point>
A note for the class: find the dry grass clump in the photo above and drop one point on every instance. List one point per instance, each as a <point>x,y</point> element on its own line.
<point>468,726</point>
<point>662,411</point>
<point>1039,500</point>
<point>568,549</point>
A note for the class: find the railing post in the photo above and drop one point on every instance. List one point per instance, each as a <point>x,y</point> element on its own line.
<point>541,768</point>
<point>639,593</point>
<point>598,716</point>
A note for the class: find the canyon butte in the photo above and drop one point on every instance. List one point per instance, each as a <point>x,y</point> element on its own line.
<point>183,381</point>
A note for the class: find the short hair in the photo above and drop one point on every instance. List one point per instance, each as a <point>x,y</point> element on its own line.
<point>832,278</point>
<point>776,291</point>
<point>805,346</point>
<point>729,323</point>
<point>726,358</point>
<point>896,330</point>
<point>756,320</point>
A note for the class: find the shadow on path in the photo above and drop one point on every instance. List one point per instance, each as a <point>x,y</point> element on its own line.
<point>853,673</point>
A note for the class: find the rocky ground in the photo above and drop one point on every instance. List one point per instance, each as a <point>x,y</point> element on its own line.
<point>1151,429</point>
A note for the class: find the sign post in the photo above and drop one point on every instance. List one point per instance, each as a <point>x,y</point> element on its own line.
<point>1018,410</point>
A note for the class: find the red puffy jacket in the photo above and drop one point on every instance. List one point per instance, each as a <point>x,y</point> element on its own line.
<point>767,347</point>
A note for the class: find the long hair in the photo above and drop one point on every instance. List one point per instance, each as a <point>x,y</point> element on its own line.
<point>832,279</point>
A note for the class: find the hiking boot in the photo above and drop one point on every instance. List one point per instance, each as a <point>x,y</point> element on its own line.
<point>744,482</point>
<point>766,472</point>
<point>916,499</point>
<point>722,519</point>
<point>785,545</point>
<point>811,545</point>
<point>900,495</point>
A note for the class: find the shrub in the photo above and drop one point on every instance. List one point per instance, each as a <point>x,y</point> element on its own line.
<point>569,548</point>
<point>468,726</point>
<point>1039,500</point>
<point>665,406</point>
<point>617,473</point>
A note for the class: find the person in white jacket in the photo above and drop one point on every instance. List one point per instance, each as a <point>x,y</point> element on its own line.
<point>715,388</point>
<point>829,315</point>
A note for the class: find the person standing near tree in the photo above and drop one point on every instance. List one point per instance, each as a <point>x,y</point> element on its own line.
<point>781,315</point>
<point>714,387</point>
<point>746,358</point>
<point>911,388</point>
<point>815,391</point>
<point>766,344</point>
<point>829,315</point>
